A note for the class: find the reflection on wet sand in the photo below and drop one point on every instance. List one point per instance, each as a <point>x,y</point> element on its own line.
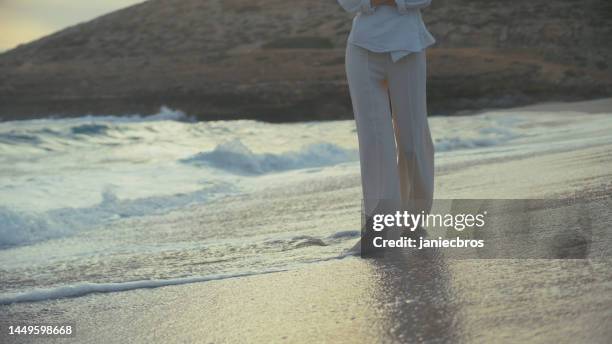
<point>414,289</point>
<point>427,298</point>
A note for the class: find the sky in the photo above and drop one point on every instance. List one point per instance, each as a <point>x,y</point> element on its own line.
<point>22,21</point>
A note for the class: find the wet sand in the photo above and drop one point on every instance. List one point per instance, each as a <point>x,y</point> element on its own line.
<point>358,301</point>
<point>422,297</point>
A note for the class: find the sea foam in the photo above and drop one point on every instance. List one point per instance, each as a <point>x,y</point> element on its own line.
<point>85,288</point>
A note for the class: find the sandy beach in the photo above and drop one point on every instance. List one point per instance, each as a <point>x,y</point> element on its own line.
<point>357,301</point>
<point>419,298</point>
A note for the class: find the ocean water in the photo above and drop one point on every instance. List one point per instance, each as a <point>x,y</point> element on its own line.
<point>102,204</point>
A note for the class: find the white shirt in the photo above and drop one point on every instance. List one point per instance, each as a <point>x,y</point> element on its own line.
<point>399,30</point>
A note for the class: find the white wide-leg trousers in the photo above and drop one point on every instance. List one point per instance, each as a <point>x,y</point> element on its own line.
<point>395,145</point>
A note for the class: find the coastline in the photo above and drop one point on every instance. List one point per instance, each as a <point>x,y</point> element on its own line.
<point>420,299</point>
<point>285,62</point>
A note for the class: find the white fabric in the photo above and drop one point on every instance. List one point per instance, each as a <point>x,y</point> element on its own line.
<point>395,147</point>
<point>399,30</point>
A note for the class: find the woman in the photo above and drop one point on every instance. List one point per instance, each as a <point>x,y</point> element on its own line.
<point>386,72</point>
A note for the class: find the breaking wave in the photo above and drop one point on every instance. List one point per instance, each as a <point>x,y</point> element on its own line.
<point>237,158</point>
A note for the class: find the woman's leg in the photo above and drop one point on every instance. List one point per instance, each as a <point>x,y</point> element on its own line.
<point>366,72</point>
<point>415,150</point>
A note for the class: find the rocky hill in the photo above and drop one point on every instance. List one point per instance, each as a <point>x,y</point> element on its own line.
<point>281,60</point>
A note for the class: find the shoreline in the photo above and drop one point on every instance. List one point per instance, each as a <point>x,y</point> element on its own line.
<point>356,301</point>
<point>418,298</point>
